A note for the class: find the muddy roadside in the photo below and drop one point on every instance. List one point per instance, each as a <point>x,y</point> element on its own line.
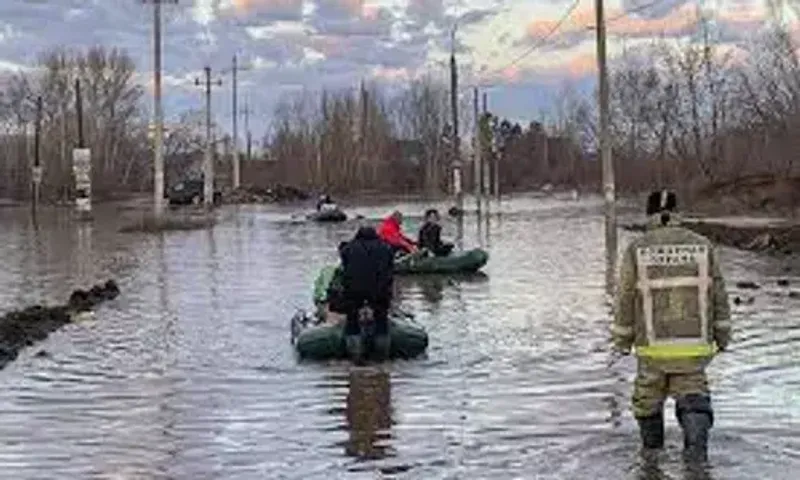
<point>23,328</point>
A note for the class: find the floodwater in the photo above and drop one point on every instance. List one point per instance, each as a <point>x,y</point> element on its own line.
<point>189,373</point>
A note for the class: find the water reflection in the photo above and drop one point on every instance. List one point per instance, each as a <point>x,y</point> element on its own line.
<point>460,232</point>
<point>650,467</point>
<point>368,413</point>
<point>213,265</point>
<point>432,286</point>
<point>84,232</point>
<point>515,383</point>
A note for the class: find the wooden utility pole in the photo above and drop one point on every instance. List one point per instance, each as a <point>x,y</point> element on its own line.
<point>208,161</point>
<point>485,167</point>
<point>246,112</point>
<point>609,193</point>
<point>476,150</point>
<point>456,140</point>
<point>82,163</point>
<point>500,142</point>
<point>158,113</point>
<point>36,171</point>
<point>236,164</point>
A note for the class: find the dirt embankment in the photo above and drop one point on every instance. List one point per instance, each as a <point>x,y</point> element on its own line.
<point>755,213</point>
<point>755,195</point>
<point>255,194</point>
<point>22,328</point>
<point>779,237</point>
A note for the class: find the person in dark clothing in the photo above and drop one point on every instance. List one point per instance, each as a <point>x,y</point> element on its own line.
<point>325,201</point>
<point>367,280</point>
<point>430,235</point>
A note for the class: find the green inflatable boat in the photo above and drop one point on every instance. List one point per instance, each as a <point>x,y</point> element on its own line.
<point>468,261</point>
<point>325,341</point>
<point>316,337</point>
<point>330,214</point>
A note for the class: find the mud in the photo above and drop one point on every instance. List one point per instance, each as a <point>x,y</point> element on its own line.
<point>777,239</point>
<point>774,239</point>
<point>253,194</point>
<point>23,328</point>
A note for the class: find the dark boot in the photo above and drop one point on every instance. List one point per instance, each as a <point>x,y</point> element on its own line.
<point>651,430</point>
<point>695,436</point>
<point>381,345</point>
<point>696,419</point>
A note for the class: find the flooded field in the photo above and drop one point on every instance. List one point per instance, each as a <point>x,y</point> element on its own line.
<point>189,373</point>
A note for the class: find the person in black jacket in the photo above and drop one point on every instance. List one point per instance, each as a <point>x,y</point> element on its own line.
<point>367,280</point>
<point>430,235</point>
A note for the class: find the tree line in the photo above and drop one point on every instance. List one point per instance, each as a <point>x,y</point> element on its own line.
<point>684,116</point>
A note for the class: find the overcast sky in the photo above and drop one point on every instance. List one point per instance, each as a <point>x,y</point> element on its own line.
<point>296,44</point>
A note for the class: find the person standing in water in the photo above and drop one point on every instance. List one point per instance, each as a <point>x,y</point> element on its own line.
<point>672,307</point>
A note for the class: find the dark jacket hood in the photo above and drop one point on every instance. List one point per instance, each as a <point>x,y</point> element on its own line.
<point>366,233</point>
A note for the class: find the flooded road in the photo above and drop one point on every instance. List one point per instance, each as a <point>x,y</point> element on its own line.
<point>189,373</point>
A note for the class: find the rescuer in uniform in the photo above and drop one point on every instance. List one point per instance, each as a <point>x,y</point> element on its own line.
<point>672,307</point>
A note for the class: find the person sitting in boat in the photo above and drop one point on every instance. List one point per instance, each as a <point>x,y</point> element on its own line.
<point>367,280</point>
<point>325,203</point>
<point>430,235</point>
<point>390,231</point>
<point>328,295</point>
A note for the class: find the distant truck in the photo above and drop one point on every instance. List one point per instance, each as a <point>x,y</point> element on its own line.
<point>190,192</point>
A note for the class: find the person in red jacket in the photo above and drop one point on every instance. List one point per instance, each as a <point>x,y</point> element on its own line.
<point>390,231</point>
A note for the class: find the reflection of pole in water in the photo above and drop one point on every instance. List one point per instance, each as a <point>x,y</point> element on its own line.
<point>617,398</point>
<point>368,413</point>
<point>213,263</point>
<point>460,231</point>
<point>163,294</point>
<point>479,225</point>
<point>488,224</point>
<point>85,261</point>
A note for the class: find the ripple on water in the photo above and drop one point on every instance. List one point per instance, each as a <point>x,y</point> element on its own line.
<point>189,373</point>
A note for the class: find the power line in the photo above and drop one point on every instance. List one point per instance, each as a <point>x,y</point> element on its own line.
<point>542,41</point>
<point>570,10</point>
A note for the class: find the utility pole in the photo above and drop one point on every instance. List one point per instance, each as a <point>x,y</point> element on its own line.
<point>476,150</point>
<point>246,112</point>
<point>500,146</point>
<point>605,152</point>
<point>236,165</point>
<point>208,163</point>
<point>158,113</point>
<point>454,105</point>
<point>82,163</point>
<point>37,169</point>
<point>485,167</point>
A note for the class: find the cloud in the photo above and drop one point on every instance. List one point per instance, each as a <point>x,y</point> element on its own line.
<point>311,44</point>
<point>268,9</point>
<point>678,21</point>
<point>350,17</point>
